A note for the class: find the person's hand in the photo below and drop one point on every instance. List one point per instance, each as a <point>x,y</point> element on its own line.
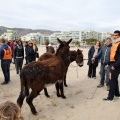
<point>112,68</point>
<point>93,59</point>
<point>106,67</point>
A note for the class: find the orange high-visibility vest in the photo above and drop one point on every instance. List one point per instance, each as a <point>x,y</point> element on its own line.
<point>7,53</point>
<point>113,51</point>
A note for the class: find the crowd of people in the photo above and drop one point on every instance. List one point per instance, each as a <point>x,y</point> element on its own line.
<point>108,55</point>
<point>14,52</point>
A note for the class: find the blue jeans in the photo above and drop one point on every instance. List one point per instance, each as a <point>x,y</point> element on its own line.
<point>104,73</point>
<point>5,65</point>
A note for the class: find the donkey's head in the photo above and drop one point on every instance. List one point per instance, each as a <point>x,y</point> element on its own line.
<point>79,58</point>
<point>63,49</point>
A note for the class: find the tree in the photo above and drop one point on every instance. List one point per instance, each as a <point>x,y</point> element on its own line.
<point>90,41</point>
<point>77,43</point>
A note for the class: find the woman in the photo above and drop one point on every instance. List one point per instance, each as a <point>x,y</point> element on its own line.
<point>93,64</point>
<point>10,111</point>
<point>31,52</point>
<point>19,56</point>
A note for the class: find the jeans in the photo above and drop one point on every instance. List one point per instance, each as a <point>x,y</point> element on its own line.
<point>104,73</point>
<point>19,63</point>
<point>5,65</point>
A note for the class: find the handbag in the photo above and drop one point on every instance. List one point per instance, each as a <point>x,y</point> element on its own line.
<point>37,55</point>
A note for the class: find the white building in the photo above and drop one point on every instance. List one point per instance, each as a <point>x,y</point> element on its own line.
<point>104,35</point>
<point>65,35</point>
<point>33,36</point>
<point>86,34</point>
<point>10,35</point>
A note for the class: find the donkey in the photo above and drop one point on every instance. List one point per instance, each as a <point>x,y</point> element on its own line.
<point>35,75</point>
<point>74,56</point>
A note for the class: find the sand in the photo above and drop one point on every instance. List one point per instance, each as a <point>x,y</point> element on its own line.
<point>84,101</point>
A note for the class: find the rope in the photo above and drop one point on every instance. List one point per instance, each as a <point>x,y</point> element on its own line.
<point>77,71</point>
<point>93,94</point>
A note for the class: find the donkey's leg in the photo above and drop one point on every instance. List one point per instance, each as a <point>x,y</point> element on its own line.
<point>30,99</point>
<point>46,92</point>
<point>62,90</point>
<point>21,97</point>
<point>57,89</point>
<point>65,82</point>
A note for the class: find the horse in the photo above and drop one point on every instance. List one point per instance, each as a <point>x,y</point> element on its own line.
<point>74,56</point>
<point>35,75</point>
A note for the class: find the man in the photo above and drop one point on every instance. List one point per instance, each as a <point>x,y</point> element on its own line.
<point>104,54</point>
<point>5,56</point>
<point>115,67</point>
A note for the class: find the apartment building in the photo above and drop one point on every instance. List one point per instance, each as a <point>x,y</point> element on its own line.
<point>86,34</point>
<point>10,35</point>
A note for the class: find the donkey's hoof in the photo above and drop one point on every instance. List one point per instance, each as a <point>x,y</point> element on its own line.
<point>19,103</point>
<point>34,112</point>
<point>66,85</point>
<point>64,97</point>
<point>58,95</point>
<point>47,96</point>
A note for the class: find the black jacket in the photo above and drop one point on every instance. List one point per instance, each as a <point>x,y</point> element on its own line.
<point>31,54</point>
<point>19,52</point>
<point>90,56</point>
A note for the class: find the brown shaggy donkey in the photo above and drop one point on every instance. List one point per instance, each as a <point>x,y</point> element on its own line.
<point>74,56</point>
<point>35,75</point>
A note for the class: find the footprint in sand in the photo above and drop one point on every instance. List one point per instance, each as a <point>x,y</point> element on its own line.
<point>70,105</point>
<point>78,92</point>
<point>43,117</point>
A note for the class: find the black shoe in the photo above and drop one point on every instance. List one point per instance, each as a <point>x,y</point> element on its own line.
<point>9,81</point>
<point>108,100</point>
<point>100,85</point>
<point>4,83</point>
<point>118,96</point>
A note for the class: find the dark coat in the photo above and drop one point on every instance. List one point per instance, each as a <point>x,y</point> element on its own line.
<point>30,54</point>
<point>90,56</point>
<point>19,52</point>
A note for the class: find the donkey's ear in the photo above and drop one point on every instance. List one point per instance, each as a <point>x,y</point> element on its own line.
<point>78,50</point>
<point>69,41</point>
<point>59,41</point>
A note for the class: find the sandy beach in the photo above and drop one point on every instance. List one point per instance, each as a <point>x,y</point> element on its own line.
<point>84,100</point>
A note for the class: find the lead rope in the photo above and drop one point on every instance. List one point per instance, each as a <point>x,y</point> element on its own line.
<point>77,71</point>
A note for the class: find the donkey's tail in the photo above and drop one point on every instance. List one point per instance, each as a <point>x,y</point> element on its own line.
<point>24,83</point>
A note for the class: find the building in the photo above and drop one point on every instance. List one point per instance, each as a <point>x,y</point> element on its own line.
<point>10,35</point>
<point>33,36</point>
<point>77,36</point>
<point>86,34</point>
<point>104,35</point>
<point>65,35</point>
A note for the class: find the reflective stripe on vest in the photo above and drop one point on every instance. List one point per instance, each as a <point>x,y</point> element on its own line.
<point>113,51</point>
<point>7,56</point>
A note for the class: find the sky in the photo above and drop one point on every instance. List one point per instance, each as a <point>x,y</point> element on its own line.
<point>58,15</point>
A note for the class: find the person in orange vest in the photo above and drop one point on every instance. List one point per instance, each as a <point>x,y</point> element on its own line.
<point>5,56</point>
<point>115,68</point>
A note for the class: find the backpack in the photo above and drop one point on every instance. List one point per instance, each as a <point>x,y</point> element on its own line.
<point>7,53</point>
